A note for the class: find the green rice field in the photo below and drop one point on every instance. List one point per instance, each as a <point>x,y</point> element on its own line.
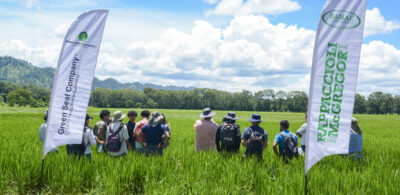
<point>183,171</point>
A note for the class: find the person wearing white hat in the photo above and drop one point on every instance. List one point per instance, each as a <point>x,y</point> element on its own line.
<point>356,140</point>
<point>118,127</point>
<point>206,130</point>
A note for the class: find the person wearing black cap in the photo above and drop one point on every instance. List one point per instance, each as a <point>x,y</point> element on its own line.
<point>254,138</point>
<point>206,130</point>
<point>228,135</point>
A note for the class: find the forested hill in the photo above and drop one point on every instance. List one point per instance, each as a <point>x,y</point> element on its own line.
<point>24,73</point>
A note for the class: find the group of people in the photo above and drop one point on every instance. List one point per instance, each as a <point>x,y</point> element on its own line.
<point>150,136</point>
<point>227,137</point>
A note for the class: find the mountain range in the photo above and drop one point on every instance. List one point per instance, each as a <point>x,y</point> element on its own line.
<point>24,73</point>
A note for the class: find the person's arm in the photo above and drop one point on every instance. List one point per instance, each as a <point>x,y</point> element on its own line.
<point>237,141</point>
<point>139,137</point>
<point>299,134</point>
<point>166,140</point>
<point>244,143</point>
<point>265,143</point>
<point>217,139</point>
<point>126,137</point>
<point>100,133</point>
<point>91,138</point>
<point>275,145</point>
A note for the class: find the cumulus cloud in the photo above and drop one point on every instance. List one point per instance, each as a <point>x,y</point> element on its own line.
<point>375,23</point>
<point>244,55</point>
<point>248,7</point>
<point>26,3</point>
<point>379,68</point>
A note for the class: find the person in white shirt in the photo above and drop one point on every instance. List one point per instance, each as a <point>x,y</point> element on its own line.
<point>43,129</point>
<point>123,135</point>
<point>88,138</point>
<point>302,134</point>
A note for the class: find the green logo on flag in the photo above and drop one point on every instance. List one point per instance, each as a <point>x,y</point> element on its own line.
<point>83,36</point>
<point>341,19</point>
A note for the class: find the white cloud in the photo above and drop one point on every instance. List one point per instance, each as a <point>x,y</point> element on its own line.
<point>211,1</point>
<point>248,7</point>
<point>26,3</point>
<point>375,23</point>
<point>379,68</point>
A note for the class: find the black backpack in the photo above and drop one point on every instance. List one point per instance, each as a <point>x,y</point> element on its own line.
<point>255,136</point>
<point>228,135</point>
<point>79,149</point>
<point>290,149</point>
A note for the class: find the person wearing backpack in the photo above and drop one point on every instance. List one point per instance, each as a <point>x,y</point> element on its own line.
<point>78,150</point>
<point>117,137</point>
<point>287,142</point>
<point>228,136</point>
<point>154,131</point>
<point>130,125</point>
<point>254,138</point>
<point>100,130</point>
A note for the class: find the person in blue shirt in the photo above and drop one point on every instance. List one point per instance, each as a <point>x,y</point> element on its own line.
<point>356,140</point>
<point>280,137</point>
<point>154,131</point>
<point>254,138</point>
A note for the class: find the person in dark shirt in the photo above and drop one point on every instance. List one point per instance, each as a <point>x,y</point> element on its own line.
<point>131,126</point>
<point>228,124</point>
<point>154,131</point>
<point>254,138</point>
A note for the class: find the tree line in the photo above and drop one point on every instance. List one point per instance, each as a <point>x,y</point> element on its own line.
<point>264,100</point>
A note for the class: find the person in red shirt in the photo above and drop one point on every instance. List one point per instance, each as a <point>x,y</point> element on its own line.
<point>139,148</point>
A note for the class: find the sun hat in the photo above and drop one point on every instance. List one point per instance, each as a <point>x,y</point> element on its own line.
<point>118,116</point>
<point>156,118</point>
<point>227,118</point>
<point>207,113</point>
<point>232,115</point>
<point>255,118</point>
<point>354,126</point>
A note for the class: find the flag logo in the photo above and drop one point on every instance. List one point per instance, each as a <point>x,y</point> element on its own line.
<point>341,19</point>
<point>83,36</point>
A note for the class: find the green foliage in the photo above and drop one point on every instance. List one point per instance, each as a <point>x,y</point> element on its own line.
<point>19,97</point>
<point>183,171</point>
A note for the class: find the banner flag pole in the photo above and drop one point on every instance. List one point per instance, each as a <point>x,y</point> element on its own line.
<point>41,178</point>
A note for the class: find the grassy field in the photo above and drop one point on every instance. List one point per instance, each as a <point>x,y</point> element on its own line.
<point>183,171</point>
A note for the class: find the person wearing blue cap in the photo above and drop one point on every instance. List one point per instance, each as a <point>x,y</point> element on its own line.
<point>254,138</point>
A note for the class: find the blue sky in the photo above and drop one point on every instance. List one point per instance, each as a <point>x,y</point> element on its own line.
<point>224,44</point>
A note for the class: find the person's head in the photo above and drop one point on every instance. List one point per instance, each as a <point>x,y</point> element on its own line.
<point>118,116</point>
<point>156,119</point>
<point>233,116</point>
<point>132,115</point>
<point>255,119</point>
<point>284,125</point>
<point>45,115</point>
<point>355,127</point>
<point>87,119</point>
<point>227,119</point>
<point>207,114</point>
<point>164,120</point>
<point>105,115</point>
<point>145,114</point>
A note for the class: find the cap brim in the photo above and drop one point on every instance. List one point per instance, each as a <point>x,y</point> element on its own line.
<point>253,120</point>
<point>207,116</point>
